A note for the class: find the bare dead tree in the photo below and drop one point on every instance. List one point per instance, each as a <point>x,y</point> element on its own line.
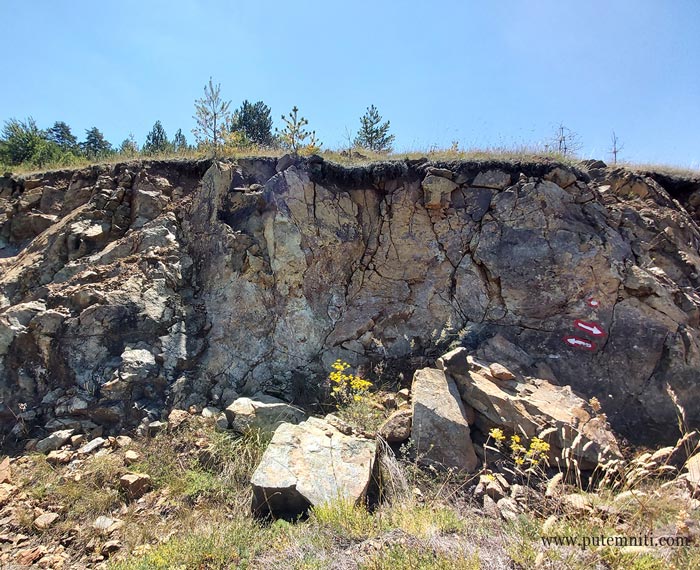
<point>566,142</point>
<point>616,147</point>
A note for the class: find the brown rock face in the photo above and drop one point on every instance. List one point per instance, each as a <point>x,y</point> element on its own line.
<point>132,289</point>
<point>532,407</point>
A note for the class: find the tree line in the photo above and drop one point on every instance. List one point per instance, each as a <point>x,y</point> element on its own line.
<point>217,130</point>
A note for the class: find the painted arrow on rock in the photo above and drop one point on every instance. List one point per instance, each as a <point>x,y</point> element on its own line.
<point>579,342</point>
<point>594,329</point>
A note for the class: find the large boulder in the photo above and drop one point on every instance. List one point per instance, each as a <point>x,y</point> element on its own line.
<point>309,464</point>
<point>262,412</point>
<point>531,406</point>
<point>440,431</point>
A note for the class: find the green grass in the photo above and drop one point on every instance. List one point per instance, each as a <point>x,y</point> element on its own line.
<point>198,516</point>
<point>416,558</point>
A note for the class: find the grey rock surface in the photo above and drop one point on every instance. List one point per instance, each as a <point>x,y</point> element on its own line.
<point>145,286</point>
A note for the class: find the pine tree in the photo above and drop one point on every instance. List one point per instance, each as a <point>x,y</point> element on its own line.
<point>212,116</point>
<point>373,134</point>
<point>156,140</point>
<point>95,145</point>
<point>179,142</point>
<point>255,122</point>
<point>293,136</point>
<point>62,135</point>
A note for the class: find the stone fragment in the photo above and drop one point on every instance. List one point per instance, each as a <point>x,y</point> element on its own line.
<point>54,441</point>
<point>5,471</point>
<point>59,457</point>
<point>110,547</point>
<point>397,427</point>
<point>500,372</point>
<point>210,412</point>
<point>443,172</point>
<point>28,556</point>
<point>177,417</point>
<point>6,491</point>
<point>437,190</point>
<point>495,490</point>
<point>495,179</point>
<point>135,485</point>
<point>221,422</point>
<point>508,508</point>
<point>92,446</point>
<point>44,521</point>
<point>77,440</point>
<point>154,428</point>
<point>440,431</point>
<point>285,162</point>
<point>693,468</point>
<point>131,457</point>
<point>262,412</point>
<point>107,525</point>
<point>592,163</point>
<point>309,464</point>
<point>561,177</point>
<point>123,441</point>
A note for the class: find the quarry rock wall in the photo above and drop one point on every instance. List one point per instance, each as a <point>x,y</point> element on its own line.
<point>129,289</point>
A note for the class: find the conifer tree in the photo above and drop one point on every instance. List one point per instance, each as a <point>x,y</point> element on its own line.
<point>255,122</point>
<point>373,134</point>
<point>212,116</point>
<point>179,142</point>
<point>156,140</point>
<point>95,145</point>
<point>294,136</point>
<point>61,134</point>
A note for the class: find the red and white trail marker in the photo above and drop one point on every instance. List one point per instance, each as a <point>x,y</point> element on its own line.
<point>594,329</point>
<point>582,343</point>
<point>595,303</point>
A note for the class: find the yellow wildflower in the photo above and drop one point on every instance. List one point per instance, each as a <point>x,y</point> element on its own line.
<point>497,434</point>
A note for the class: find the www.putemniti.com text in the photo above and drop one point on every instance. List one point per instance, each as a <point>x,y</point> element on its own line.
<point>585,542</point>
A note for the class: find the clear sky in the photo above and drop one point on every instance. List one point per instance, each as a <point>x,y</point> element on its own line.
<point>484,73</point>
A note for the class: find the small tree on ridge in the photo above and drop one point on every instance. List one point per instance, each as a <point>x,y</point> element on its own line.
<point>255,121</point>
<point>212,116</point>
<point>294,136</point>
<point>156,140</point>
<point>373,134</point>
<point>95,145</point>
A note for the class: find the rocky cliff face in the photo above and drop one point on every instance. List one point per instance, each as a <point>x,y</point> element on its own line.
<point>126,290</point>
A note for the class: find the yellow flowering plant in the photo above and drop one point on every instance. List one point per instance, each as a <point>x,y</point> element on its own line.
<point>346,387</point>
<point>535,454</point>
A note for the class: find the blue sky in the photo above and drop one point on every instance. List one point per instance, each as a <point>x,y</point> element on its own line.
<point>484,73</point>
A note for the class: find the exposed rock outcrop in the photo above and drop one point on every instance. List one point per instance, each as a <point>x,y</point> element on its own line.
<point>131,289</point>
<point>531,408</point>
